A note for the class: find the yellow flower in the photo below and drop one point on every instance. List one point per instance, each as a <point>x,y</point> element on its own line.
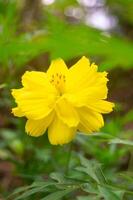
<point>63,100</point>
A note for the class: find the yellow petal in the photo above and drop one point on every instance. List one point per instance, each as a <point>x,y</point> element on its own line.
<point>57,66</point>
<point>76,74</point>
<point>81,65</point>
<point>59,133</point>
<point>89,121</point>
<point>33,77</point>
<point>86,84</point>
<point>35,104</point>
<point>67,113</point>
<point>37,97</point>
<point>85,95</point>
<point>101,106</point>
<point>37,128</point>
<point>17,112</point>
<point>83,75</point>
<point>37,80</point>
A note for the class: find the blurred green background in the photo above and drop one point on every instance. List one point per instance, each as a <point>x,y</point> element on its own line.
<point>32,33</point>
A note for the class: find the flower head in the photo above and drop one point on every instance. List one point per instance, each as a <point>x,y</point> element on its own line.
<point>63,100</point>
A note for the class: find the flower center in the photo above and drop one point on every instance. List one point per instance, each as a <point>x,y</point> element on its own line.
<point>58,80</point>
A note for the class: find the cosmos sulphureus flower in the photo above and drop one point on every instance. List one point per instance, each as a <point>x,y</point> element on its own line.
<point>63,100</point>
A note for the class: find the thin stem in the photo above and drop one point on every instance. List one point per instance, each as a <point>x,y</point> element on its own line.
<point>68,158</point>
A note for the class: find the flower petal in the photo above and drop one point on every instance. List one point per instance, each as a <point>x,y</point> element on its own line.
<point>67,113</point>
<point>57,66</point>
<point>101,106</point>
<point>38,127</point>
<point>35,104</point>
<point>33,80</point>
<point>87,95</point>
<point>83,75</point>
<point>17,112</point>
<point>89,121</point>
<point>59,133</point>
<point>76,74</point>
<point>87,84</point>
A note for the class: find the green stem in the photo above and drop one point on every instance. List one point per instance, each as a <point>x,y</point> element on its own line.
<point>68,158</point>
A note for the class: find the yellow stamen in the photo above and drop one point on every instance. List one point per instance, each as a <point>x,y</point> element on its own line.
<point>58,80</point>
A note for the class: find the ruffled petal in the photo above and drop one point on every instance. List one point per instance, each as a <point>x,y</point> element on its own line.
<point>101,106</point>
<point>84,83</point>
<point>35,80</point>
<point>67,113</point>
<point>17,112</point>
<point>37,128</point>
<point>83,75</point>
<point>57,66</point>
<point>89,121</point>
<point>59,133</point>
<point>86,95</point>
<point>35,104</point>
<point>76,75</point>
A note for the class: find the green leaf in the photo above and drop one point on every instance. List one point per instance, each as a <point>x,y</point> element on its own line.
<point>35,188</point>
<point>34,184</point>
<point>101,177</point>
<point>120,141</point>
<point>89,188</point>
<point>57,176</point>
<point>90,168</point>
<point>30,192</point>
<point>109,194</point>
<point>58,195</point>
<point>89,197</point>
<point>88,172</point>
<point>105,136</point>
<point>127,176</point>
